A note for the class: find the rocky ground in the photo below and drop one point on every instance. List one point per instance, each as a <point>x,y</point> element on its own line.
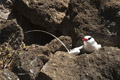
<point>39,56</point>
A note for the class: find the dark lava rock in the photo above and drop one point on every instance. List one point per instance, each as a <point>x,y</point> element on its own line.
<point>28,65</point>
<point>74,18</point>
<point>7,75</point>
<point>11,33</point>
<point>98,18</point>
<point>30,62</point>
<point>56,45</point>
<point>43,12</point>
<point>60,67</point>
<point>5,9</point>
<point>99,65</point>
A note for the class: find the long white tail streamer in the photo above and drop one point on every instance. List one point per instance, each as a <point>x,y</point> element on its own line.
<point>51,35</point>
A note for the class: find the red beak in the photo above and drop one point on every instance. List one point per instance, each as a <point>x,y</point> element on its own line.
<point>84,39</point>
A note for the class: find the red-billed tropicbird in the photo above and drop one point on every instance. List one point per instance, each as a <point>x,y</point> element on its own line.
<point>89,45</point>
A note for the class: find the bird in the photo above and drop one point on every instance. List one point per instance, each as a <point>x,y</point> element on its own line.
<point>89,45</point>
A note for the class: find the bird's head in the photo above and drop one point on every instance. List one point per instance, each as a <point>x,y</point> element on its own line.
<point>88,39</point>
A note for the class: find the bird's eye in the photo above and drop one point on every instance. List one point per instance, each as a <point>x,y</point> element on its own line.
<point>89,38</point>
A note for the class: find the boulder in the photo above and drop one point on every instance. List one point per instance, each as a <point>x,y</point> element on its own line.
<point>43,12</point>
<point>98,18</point>
<point>28,65</point>
<point>11,33</point>
<point>56,45</point>
<point>8,75</point>
<point>5,9</point>
<point>99,65</point>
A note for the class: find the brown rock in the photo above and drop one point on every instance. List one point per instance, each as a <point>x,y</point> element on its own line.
<point>28,65</point>
<point>43,12</point>
<point>60,67</point>
<point>55,45</point>
<point>11,33</point>
<point>74,18</point>
<point>99,19</point>
<point>5,9</point>
<point>7,75</point>
<point>99,65</point>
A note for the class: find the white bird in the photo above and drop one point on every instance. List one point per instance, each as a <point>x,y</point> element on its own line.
<point>89,45</point>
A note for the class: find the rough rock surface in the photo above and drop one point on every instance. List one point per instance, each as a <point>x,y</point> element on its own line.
<point>43,11</point>
<point>12,33</point>
<point>7,75</point>
<point>55,45</point>
<point>69,19</point>
<point>5,9</point>
<point>100,65</point>
<point>97,18</point>
<point>29,63</point>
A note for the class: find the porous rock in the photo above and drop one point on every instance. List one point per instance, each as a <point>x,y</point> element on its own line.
<point>56,45</point>
<point>8,75</point>
<point>99,65</point>
<point>98,18</point>
<point>11,33</point>
<point>43,12</point>
<point>28,65</point>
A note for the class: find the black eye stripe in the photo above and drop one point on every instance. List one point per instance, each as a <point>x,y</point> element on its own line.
<point>89,38</point>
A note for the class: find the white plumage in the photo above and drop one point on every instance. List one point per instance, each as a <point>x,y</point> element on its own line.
<point>89,45</point>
